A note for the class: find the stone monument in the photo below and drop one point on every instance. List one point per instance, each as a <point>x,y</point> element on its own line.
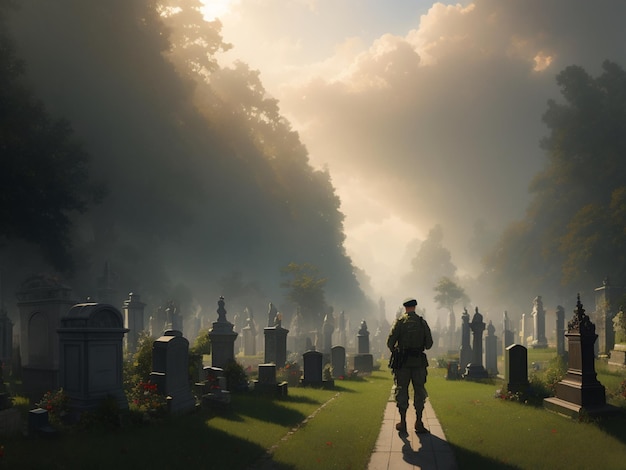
<point>276,341</point>
<point>579,391</point>
<point>475,369</point>
<point>222,338</point>
<point>539,324</point>
<point>465,354</point>
<point>133,320</point>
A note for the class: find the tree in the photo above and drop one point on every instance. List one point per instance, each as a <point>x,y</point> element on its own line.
<point>571,238</point>
<point>44,169</point>
<point>449,293</point>
<point>306,291</point>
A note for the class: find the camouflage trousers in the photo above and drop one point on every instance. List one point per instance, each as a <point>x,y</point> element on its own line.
<point>404,377</point>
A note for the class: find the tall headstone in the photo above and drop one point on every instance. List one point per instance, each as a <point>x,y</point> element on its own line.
<point>222,338</point>
<point>276,342</point>
<point>465,354</point>
<point>342,330</point>
<point>173,317</point>
<point>516,369</point>
<point>580,389</point>
<point>618,353</point>
<point>491,350</point>
<point>523,331</point>
<point>607,298</point>
<point>312,374</point>
<point>133,320</point>
<point>452,337</point>
<point>170,370</point>
<point>560,331</point>
<point>539,324</point>
<point>475,369</point>
<point>507,332</point>
<point>327,331</point>
<point>338,361</point>
<point>42,301</point>
<point>91,356</point>
<point>363,360</point>
<point>249,337</point>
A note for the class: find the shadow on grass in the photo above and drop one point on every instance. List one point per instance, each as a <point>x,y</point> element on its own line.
<point>271,411</point>
<point>467,459</point>
<point>614,425</point>
<point>183,442</point>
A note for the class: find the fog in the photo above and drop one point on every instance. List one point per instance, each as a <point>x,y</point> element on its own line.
<point>399,116</point>
<point>435,120</point>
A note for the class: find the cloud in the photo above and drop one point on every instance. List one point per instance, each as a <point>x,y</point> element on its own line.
<point>435,109</point>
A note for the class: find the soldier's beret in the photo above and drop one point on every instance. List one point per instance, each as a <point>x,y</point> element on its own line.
<point>409,302</point>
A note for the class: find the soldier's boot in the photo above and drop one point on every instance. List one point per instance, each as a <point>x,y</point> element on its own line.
<point>419,425</point>
<point>401,426</point>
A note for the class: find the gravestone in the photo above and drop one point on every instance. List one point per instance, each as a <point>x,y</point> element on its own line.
<point>91,355</point>
<point>42,301</point>
<point>560,331</point>
<point>312,374</point>
<point>363,360</point>
<point>249,338</point>
<point>465,354</point>
<point>170,370</point>
<point>507,332</point>
<point>342,330</point>
<point>607,298</point>
<point>107,286</point>
<point>579,391</point>
<point>539,324</point>
<point>267,384</point>
<point>222,338</point>
<point>491,350</point>
<point>516,369</point>
<point>338,361</point>
<point>133,320</point>
<point>276,342</point>
<point>328,326</point>
<point>475,369</point>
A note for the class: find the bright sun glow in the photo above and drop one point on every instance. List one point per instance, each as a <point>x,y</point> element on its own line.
<point>215,8</point>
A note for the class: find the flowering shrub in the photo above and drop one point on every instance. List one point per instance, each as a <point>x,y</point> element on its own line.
<point>144,397</point>
<point>56,403</point>
<point>290,373</point>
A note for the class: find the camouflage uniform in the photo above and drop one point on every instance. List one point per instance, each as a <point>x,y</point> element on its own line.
<point>411,335</point>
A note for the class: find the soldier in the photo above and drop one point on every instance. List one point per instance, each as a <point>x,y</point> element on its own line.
<point>410,335</point>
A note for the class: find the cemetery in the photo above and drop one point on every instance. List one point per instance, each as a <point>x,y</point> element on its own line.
<point>90,384</point>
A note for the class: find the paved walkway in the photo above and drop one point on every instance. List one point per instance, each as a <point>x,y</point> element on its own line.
<point>395,451</point>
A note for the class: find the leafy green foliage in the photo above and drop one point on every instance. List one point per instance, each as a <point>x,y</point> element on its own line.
<point>306,290</point>
<point>449,293</point>
<point>573,234</point>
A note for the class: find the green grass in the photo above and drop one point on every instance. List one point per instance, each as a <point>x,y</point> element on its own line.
<point>487,433</point>
<point>341,430</point>
<point>232,440</point>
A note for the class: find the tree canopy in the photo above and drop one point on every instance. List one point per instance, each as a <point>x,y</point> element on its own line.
<point>572,236</point>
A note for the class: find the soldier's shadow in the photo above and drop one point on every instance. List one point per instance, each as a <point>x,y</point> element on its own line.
<point>423,454</point>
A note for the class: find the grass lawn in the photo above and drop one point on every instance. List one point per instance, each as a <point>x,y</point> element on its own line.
<point>344,428</point>
<point>486,432</point>
<point>337,429</point>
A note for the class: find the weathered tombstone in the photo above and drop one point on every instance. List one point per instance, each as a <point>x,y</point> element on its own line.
<point>222,338</point>
<point>91,336</point>
<point>249,338</point>
<point>523,331</point>
<point>465,354</point>
<point>276,342</point>
<point>170,370</point>
<point>173,318</point>
<point>491,350</point>
<point>560,331</point>
<point>475,369</point>
<point>312,374</point>
<point>516,369</point>
<point>453,370</point>
<point>539,324</point>
<point>507,332</point>
<point>338,361</point>
<point>42,300</point>
<point>363,360</point>
<point>579,391</point>
<point>607,298</point>
<point>327,330</point>
<point>38,423</point>
<point>342,330</point>
<point>452,336</point>
<point>267,384</point>
<point>133,320</point>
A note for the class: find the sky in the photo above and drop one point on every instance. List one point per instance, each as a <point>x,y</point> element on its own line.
<point>424,113</point>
